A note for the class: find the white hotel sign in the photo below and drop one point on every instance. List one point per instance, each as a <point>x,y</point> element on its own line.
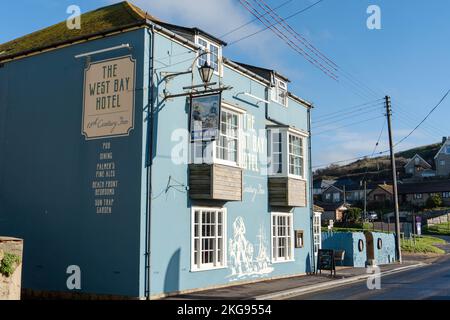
<point>108,106</point>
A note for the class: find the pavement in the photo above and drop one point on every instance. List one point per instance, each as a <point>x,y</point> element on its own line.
<point>294,286</point>
<point>429,282</point>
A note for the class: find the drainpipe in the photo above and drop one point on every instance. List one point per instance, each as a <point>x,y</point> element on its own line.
<point>313,259</point>
<point>148,164</point>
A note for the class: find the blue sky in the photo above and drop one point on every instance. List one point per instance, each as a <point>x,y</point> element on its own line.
<point>407,59</point>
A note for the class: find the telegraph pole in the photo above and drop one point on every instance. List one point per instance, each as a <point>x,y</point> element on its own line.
<point>394,179</point>
<point>365,199</point>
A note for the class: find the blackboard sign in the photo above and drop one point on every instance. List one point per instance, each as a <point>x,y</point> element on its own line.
<point>325,260</point>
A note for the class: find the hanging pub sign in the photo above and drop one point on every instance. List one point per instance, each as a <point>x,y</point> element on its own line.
<point>108,102</point>
<point>205,117</point>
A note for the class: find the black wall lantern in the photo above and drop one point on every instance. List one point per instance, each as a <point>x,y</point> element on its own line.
<point>206,73</point>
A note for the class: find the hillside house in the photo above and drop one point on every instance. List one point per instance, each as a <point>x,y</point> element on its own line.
<point>417,194</point>
<point>381,194</point>
<point>417,167</point>
<point>442,159</point>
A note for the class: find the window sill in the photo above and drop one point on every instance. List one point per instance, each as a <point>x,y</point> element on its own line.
<point>279,175</point>
<point>226,163</point>
<point>278,103</point>
<point>282,261</point>
<point>207,269</point>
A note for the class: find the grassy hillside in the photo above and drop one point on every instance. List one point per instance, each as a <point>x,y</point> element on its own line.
<point>378,168</point>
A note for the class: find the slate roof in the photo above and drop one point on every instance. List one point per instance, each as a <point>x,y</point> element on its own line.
<point>331,206</point>
<point>424,187</point>
<point>99,22</point>
<point>262,72</point>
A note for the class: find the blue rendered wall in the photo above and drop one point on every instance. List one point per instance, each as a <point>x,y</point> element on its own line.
<point>347,241</point>
<point>171,207</point>
<point>386,254</point>
<point>47,169</point>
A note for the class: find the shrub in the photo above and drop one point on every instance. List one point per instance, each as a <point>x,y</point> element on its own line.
<point>8,264</point>
<point>435,201</point>
<point>353,214</point>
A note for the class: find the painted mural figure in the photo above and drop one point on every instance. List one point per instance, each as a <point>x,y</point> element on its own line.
<point>241,251</point>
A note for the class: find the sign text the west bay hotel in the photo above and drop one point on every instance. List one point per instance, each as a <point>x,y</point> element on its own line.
<point>108,108</point>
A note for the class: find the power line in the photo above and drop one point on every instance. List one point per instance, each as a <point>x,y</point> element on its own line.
<point>424,119</point>
<point>375,148</point>
<point>263,5</point>
<point>349,114</point>
<point>351,108</point>
<point>253,20</point>
<point>265,28</point>
<point>355,116</point>
<point>348,125</point>
<point>287,40</point>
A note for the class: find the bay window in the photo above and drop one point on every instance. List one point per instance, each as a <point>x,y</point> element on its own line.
<point>228,141</point>
<point>208,243</point>
<point>286,152</point>
<point>295,155</point>
<point>226,148</point>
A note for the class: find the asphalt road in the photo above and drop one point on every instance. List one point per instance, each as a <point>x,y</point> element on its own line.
<point>431,282</point>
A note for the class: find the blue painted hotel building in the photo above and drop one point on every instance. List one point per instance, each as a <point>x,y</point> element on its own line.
<point>129,176</point>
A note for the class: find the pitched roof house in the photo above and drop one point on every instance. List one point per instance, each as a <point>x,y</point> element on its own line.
<point>442,159</point>
<point>418,193</point>
<point>418,167</point>
<point>381,193</point>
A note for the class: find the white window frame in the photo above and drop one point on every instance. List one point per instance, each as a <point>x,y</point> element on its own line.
<point>445,195</point>
<point>290,246</point>
<point>210,43</point>
<point>211,266</point>
<point>285,159</point>
<point>418,196</point>
<point>442,163</point>
<point>212,145</point>
<point>275,91</point>
<point>317,232</point>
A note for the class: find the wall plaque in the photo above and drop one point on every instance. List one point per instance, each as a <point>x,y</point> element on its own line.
<point>108,102</point>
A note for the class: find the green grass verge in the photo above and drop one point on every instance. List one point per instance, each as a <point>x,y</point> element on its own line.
<point>424,244</point>
<point>442,229</point>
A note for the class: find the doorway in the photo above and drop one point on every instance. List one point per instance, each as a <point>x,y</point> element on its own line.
<point>370,254</point>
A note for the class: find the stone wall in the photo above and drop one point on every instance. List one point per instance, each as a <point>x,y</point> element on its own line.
<point>10,286</point>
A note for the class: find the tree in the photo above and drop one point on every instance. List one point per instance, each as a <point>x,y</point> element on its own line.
<point>353,214</point>
<point>434,201</point>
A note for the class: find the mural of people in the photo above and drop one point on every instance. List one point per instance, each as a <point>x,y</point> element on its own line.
<point>243,263</point>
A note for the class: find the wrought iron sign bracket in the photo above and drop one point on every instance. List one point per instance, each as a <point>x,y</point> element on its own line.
<point>194,92</point>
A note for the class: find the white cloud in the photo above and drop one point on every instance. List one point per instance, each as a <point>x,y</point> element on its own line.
<point>219,17</point>
<point>214,16</point>
<point>345,144</point>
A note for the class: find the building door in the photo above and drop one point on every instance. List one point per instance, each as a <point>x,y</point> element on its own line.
<point>317,228</point>
<point>370,254</point>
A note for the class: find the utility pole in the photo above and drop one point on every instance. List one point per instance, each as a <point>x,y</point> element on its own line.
<point>394,179</point>
<point>365,199</point>
<point>345,198</point>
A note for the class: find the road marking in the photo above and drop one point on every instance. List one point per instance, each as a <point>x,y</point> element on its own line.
<point>328,285</point>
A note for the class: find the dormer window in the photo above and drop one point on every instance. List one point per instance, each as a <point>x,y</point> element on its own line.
<point>279,91</point>
<point>214,53</point>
